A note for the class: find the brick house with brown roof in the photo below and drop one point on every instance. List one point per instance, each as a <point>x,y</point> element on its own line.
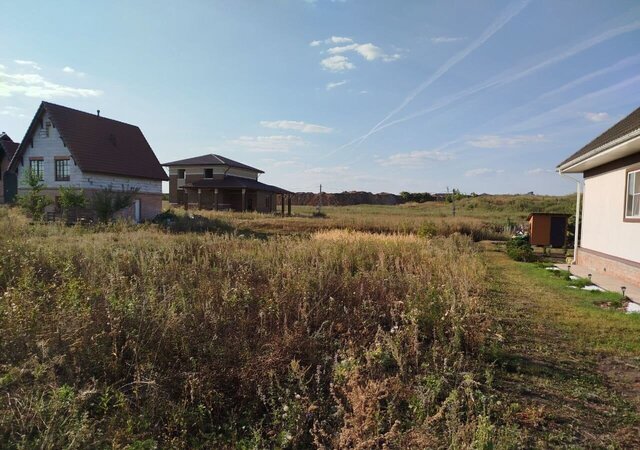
<point>219,183</point>
<point>610,233</point>
<point>7,149</point>
<point>87,151</point>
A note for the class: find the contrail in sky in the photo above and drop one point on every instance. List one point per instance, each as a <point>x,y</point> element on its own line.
<point>513,10</point>
<point>622,64</point>
<point>509,76</point>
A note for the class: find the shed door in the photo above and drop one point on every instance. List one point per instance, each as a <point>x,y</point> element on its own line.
<point>10,186</point>
<point>558,231</point>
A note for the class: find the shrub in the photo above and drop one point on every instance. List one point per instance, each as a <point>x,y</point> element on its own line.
<point>428,230</point>
<point>33,202</point>
<point>71,199</point>
<point>519,249</point>
<point>107,202</point>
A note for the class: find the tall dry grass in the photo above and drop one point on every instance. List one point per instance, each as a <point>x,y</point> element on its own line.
<point>392,219</point>
<point>131,336</point>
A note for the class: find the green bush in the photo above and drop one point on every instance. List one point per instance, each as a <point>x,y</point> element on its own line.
<point>107,202</point>
<point>33,202</point>
<point>519,249</point>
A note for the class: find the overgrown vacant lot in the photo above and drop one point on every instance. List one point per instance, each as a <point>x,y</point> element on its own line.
<point>127,336</point>
<point>483,217</point>
<point>132,336</point>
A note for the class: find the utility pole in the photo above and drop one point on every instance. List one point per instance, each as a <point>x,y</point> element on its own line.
<point>320,201</point>
<point>453,201</point>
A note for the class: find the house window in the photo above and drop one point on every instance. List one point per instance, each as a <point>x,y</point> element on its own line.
<point>62,170</point>
<point>208,173</point>
<point>47,127</point>
<point>633,194</point>
<point>37,166</point>
<point>181,174</point>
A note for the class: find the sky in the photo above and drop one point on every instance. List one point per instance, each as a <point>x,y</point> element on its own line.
<point>484,96</point>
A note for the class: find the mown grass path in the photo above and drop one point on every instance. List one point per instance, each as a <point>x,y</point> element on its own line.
<point>567,372</point>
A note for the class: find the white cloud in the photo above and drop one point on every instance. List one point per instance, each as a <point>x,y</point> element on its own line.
<point>482,171</point>
<point>368,51</point>
<point>338,40</point>
<point>336,84</point>
<point>296,126</point>
<point>342,49</point>
<point>495,141</point>
<point>596,116</point>
<point>414,158</point>
<point>539,171</point>
<point>35,85</point>
<point>446,39</point>
<point>337,63</point>
<point>11,111</point>
<point>277,143</point>
<point>330,171</point>
<point>73,71</point>
<point>24,62</point>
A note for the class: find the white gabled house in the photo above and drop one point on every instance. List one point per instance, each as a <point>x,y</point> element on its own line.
<point>73,148</point>
<point>610,236</point>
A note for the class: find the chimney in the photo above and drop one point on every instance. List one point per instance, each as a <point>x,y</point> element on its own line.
<point>98,113</point>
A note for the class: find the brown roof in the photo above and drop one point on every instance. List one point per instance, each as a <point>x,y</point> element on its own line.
<point>211,160</point>
<point>231,182</point>
<point>99,144</point>
<point>620,129</point>
<point>9,147</point>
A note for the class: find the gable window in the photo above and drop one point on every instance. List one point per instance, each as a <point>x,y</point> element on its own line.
<point>181,174</point>
<point>62,169</point>
<point>208,173</point>
<point>633,194</point>
<point>37,166</point>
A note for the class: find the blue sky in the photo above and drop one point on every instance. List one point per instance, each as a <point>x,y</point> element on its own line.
<point>480,95</point>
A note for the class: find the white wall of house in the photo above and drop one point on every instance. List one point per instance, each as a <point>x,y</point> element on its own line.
<point>50,146</point>
<point>603,228</point>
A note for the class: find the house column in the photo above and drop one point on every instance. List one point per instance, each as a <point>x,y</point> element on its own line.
<point>215,195</point>
<point>199,198</point>
<point>289,205</point>
<point>244,205</point>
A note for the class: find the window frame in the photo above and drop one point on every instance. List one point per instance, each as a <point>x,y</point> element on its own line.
<point>204,175</point>
<point>40,166</point>
<point>55,168</point>
<point>631,170</point>
<point>182,172</point>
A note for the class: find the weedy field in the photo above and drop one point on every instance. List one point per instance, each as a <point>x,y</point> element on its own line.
<point>482,217</point>
<point>220,334</point>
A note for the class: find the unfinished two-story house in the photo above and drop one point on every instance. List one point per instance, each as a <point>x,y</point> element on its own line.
<point>72,148</point>
<point>218,183</point>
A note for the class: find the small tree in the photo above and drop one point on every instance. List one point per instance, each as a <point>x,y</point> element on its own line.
<point>34,202</point>
<point>107,202</point>
<point>71,199</point>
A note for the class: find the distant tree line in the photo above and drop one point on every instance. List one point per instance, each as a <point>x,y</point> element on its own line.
<point>422,197</point>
